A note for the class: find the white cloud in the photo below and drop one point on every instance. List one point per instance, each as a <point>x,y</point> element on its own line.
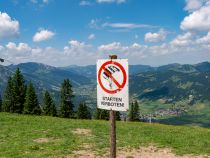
<point>76,44</point>
<point>111,1</point>
<point>75,47</point>
<point>127,25</point>
<point>156,37</point>
<point>21,47</point>
<point>199,20</point>
<point>182,40</point>
<point>43,35</point>
<point>85,3</point>
<point>118,26</point>
<point>182,49</point>
<point>110,47</point>
<point>205,39</point>
<point>91,36</point>
<point>94,24</point>
<point>8,27</point>
<point>192,5</point>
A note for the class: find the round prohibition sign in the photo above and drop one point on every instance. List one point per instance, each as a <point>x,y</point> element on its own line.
<point>120,86</point>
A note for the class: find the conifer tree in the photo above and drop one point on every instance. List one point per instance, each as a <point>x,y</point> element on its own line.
<point>31,105</point>
<point>134,112</point>
<point>0,103</point>
<point>131,113</point>
<point>83,112</point>
<point>102,114</point>
<point>19,90</point>
<point>117,116</point>
<point>8,98</point>
<point>66,104</point>
<point>49,106</point>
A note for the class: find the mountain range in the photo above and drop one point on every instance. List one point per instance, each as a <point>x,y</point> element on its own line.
<point>156,88</point>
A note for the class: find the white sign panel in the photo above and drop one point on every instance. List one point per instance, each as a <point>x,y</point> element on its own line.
<point>112,84</point>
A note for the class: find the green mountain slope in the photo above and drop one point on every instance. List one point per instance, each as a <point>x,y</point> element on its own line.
<point>169,91</point>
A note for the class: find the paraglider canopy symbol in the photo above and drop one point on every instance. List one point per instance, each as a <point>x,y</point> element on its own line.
<point>106,71</point>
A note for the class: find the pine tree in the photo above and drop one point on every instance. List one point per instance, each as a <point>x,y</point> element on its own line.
<point>117,116</point>
<point>83,112</point>
<point>19,90</point>
<point>31,105</point>
<point>0,103</point>
<point>49,106</point>
<point>66,104</point>
<point>134,112</point>
<point>102,114</point>
<point>8,98</point>
<point>131,114</point>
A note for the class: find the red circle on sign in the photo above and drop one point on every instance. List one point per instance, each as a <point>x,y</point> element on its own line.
<point>120,86</point>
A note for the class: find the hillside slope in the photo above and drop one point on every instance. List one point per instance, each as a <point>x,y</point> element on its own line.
<point>159,90</point>
<point>39,136</point>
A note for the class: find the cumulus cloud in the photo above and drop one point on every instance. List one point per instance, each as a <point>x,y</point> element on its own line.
<point>156,37</point>
<point>198,20</point>
<point>8,27</point>
<point>205,39</point>
<point>111,1</point>
<point>77,49</point>
<point>192,5</point>
<point>110,47</point>
<point>183,40</point>
<point>81,53</point>
<point>21,47</point>
<point>43,35</point>
<point>91,36</point>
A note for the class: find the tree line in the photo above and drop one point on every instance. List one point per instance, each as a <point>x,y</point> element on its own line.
<point>21,98</point>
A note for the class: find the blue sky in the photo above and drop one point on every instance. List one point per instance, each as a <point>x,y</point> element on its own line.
<point>66,32</point>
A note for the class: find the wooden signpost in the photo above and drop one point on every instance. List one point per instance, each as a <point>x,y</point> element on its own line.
<point>112,91</point>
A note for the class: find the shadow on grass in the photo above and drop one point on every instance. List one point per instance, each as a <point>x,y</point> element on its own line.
<point>191,120</point>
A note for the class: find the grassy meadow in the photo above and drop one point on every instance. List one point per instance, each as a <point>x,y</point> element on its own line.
<point>19,135</point>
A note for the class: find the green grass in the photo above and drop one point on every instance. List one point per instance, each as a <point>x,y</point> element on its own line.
<point>152,106</point>
<point>17,133</point>
<point>198,115</point>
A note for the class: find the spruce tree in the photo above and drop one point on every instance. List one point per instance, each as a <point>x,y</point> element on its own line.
<point>131,113</point>
<point>31,105</point>
<point>117,116</point>
<point>49,106</point>
<point>19,90</point>
<point>83,112</point>
<point>102,114</point>
<point>66,104</point>
<point>8,98</point>
<point>0,103</point>
<point>134,112</point>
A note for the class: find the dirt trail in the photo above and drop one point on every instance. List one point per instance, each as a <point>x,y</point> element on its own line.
<point>145,152</point>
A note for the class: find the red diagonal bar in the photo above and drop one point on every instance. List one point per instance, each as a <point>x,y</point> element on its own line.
<point>113,79</point>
